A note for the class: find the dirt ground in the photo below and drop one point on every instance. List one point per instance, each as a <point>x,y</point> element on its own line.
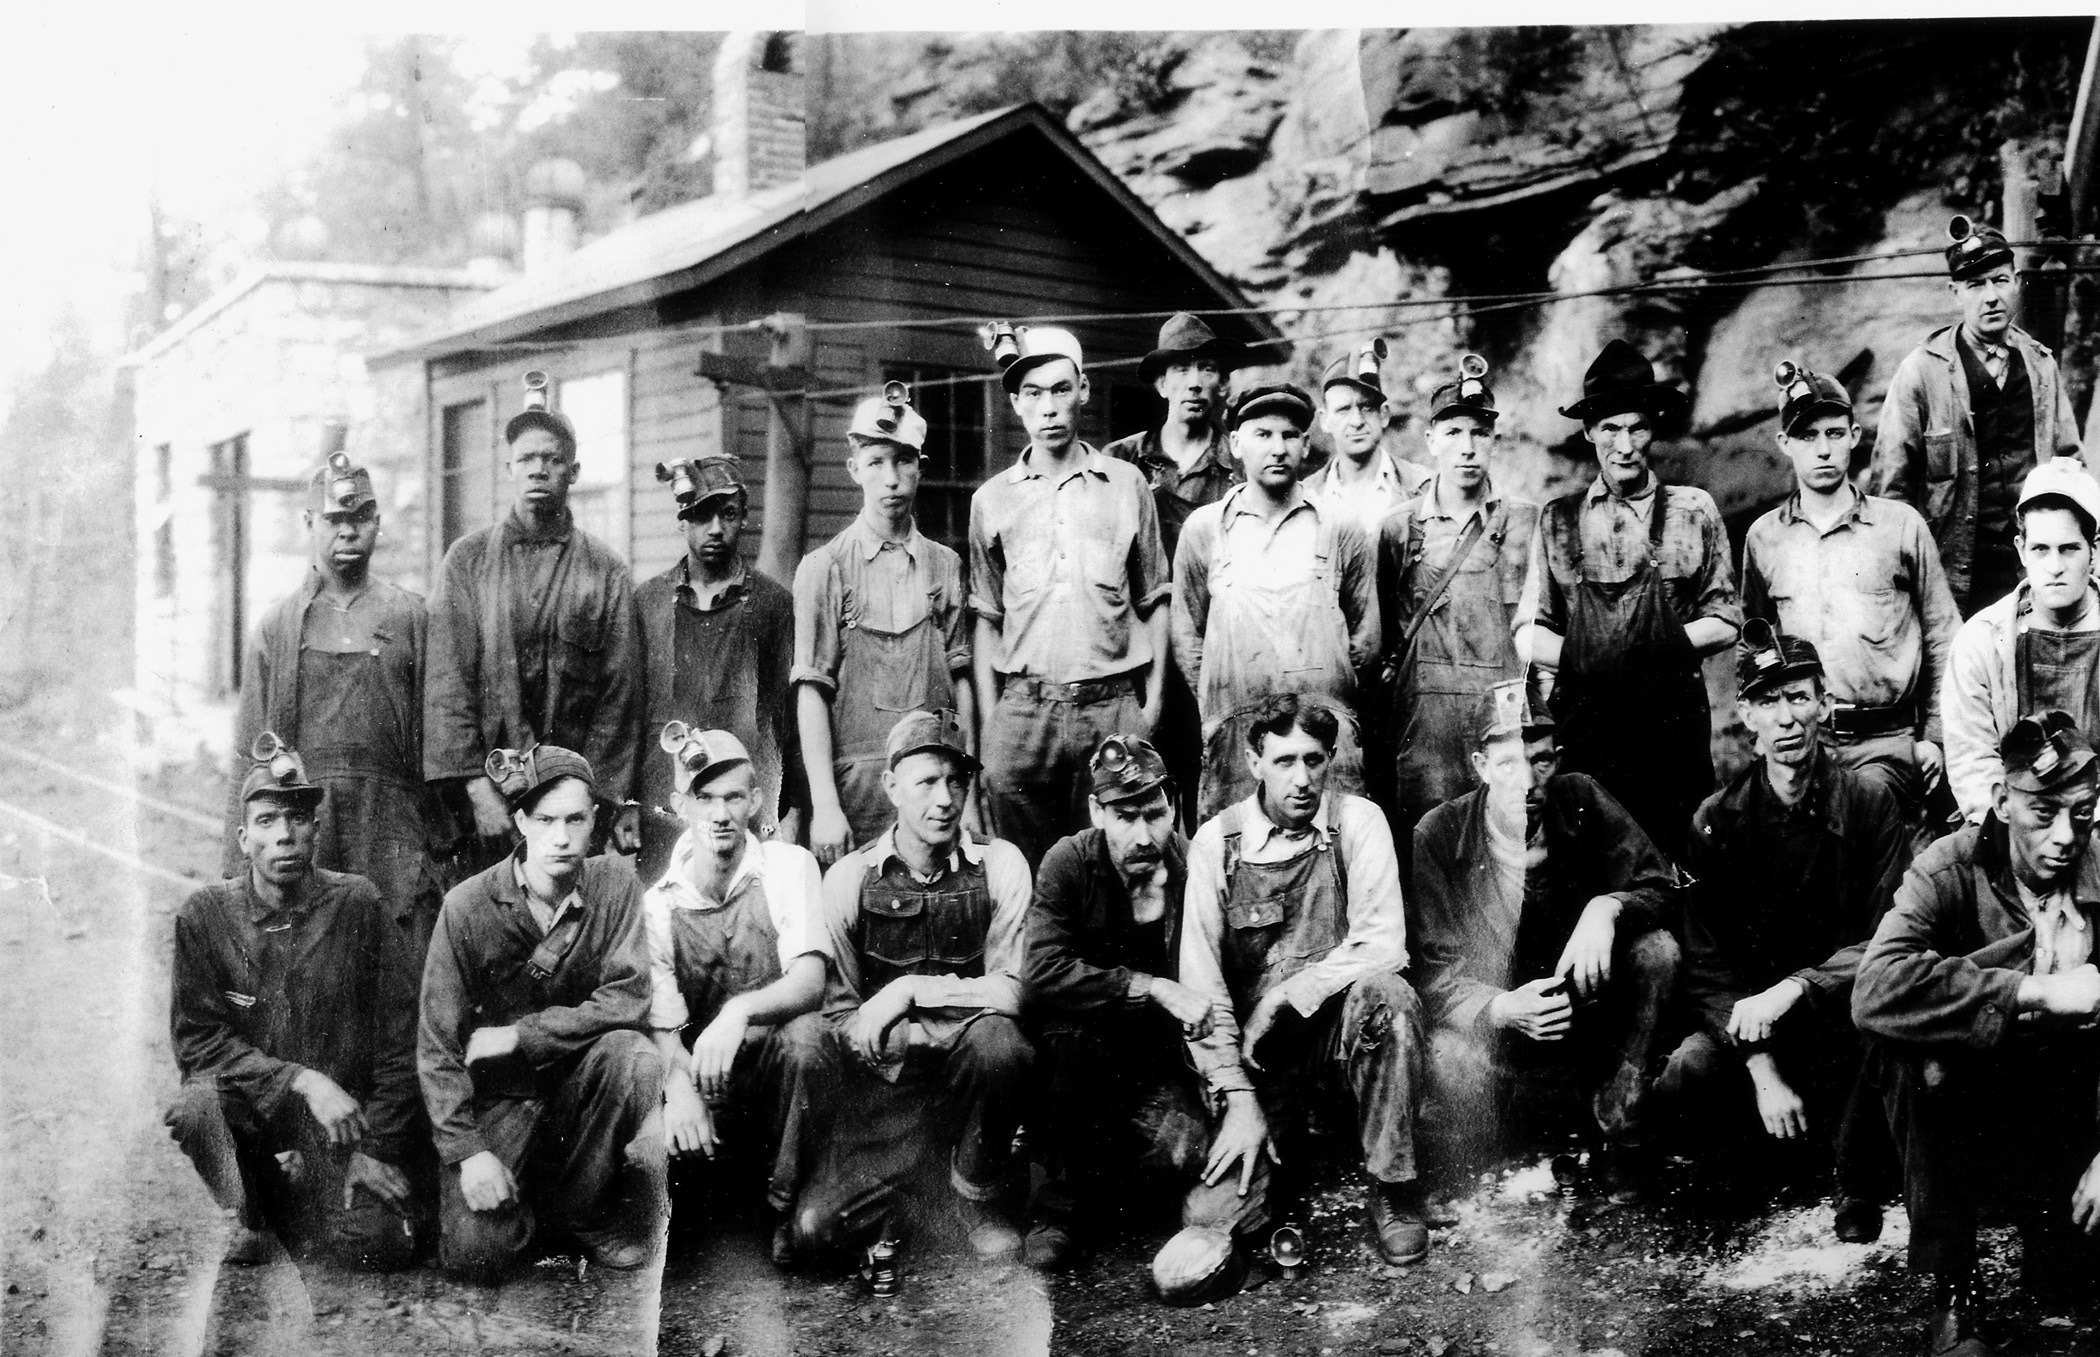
<point>110,1244</point>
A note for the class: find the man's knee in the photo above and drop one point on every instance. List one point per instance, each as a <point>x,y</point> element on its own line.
<point>993,1049</point>
<point>807,1045</point>
<point>1653,958</point>
<point>370,1236</point>
<point>625,1066</point>
<point>1461,1065</point>
<point>197,1115</point>
<point>1694,1066</point>
<point>480,1246</point>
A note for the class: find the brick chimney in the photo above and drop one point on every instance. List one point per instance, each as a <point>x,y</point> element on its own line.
<point>759,132</point>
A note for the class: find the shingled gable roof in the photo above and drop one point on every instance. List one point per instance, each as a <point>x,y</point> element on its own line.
<point>694,243</point>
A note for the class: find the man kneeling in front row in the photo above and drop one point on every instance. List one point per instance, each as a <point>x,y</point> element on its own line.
<point>736,953</point>
<point>1295,933</point>
<point>541,1083</point>
<point>1980,992</point>
<point>294,1033</point>
<point>1544,916</point>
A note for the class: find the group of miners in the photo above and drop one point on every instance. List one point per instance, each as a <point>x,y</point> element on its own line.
<point>1206,795</point>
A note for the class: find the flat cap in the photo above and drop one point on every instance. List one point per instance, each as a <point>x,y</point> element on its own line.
<point>2044,751</point>
<point>1126,768</point>
<point>920,731</point>
<point>1035,345</point>
<point>1276,398</point>
<point>889,418</point>
<point>519,774</point>
<point>697,755</point>
<point>1974,248</point>
<point>278,773</point>
<point>1768,657</point>
<point>695,482</point>
<point>1511,707</point>
<point>2063,478</point>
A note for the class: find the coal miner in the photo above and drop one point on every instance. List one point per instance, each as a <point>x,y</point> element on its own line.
<point>1293,930</point>
<point>1980,993</point>
<point>717,647</point>
<point>1361,481</point>
<point>922,1016</point>
<point>2037,648</point>
<point>1969,413</point>
<point>1067,581</point>
<point>737,951</point>
<point>1859,579</point>
<point>1451,569</point>
<point>1792,865</point>
<point>1189,463</point>
<point>1274,592</point>
<point>1108,1018</point>
<point>533,639</point>
<point>336,668</point>
<point>537,1069</point>
<point>1544,920</point>
<point>881,629</point>
<point>293,1028</point>
<point>1629,590</point>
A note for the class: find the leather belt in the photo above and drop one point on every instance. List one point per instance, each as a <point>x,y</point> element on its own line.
<point>1083,694</point>
<point>1857,722</point>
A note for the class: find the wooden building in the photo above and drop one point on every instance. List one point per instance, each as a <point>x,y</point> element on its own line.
<point>891,252</point>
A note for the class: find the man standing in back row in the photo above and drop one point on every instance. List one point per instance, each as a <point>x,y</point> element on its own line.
<point>1067,579</point>
<point>1629,591</point>
<point>533,640</point>
<point>1968,414</point>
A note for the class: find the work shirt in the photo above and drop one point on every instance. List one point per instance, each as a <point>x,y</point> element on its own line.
<point>793,887</point>
<point>1176,493</point>
<point>478,974</point>
<point>261,995</point>
<point>721,668</point>
<point>1393,483</point>
<point>1980,697</point>
<point>862,579</point>
<point>1694,556</point>
<point>1288,548</point>
<point>534,639</point>
<point>344,687</point>
<point>1788,892</point>
<point>1475,941</point>
<point>1088,951</point>
<point>1945,965</point>
<point>946,1003</point>
<point>1066,568</point>
<point>1376,942</point>
<point>1870,594</point>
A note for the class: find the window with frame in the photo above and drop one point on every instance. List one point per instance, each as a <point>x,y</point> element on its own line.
<point>597,406</point>
<point>952,464</point>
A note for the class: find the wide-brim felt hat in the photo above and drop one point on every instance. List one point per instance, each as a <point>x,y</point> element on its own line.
<point>1186,337</point>
<point>1621,380</point>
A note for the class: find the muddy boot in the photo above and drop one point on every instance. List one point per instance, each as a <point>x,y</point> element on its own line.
<point>1857,1220</point>
<point>247,1247</point>
<point>1616,1105</point>
<point>1399,1228</point>
<point>1050,1246</point>
<point>991,1234</point>
<point>1957,1318</point>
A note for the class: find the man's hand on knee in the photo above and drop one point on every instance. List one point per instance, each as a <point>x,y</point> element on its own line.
<point>1243,1137</point>
<point>688,1125</point>
<point>1780,1108</point>
<point>336,1111</point>
<point>377,1177</point>
<point>1586,960</point>
<point>1753,1018</point>
<point>1539,1009</point>
<point>485,1183</point>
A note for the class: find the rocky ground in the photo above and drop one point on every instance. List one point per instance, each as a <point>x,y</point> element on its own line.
<point>111,1246</point>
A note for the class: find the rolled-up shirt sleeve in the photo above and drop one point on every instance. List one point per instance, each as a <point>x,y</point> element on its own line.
<point>667,1009</point>
<point>1716,578</point>
<point>1542,602</point>
<point>795,903</point>
<point>1150,576</point>
<point>816,623</point>
<point>987,563</point>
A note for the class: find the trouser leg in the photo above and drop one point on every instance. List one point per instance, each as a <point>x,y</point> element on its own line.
<point>1629,1025</point>
<point>1111,1096</point>
<point>797,1074</point>
<point>198,1123</point>
<point>480,1245</point>
<point>1374,1049</point>
<point>603,1118</point>
<point>1022,764</point>
<point>1935,1126</point>
<point>1467,1094</point>
<point>1864,1157</point>
<point>984,1080</point>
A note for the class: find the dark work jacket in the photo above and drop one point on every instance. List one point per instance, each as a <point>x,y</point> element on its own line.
<point>761,618</point>
<point>338,1006</point>
<point>1750,921</point>
<point>587,639</point>
<point>1945,965</point>
<point>1175,495</point>
<point>1593,848</point>
<point>476,976</point>
<point>1078,926</point>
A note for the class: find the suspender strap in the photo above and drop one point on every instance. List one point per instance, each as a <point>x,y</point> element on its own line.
<point>548,956</point>
<point>1441,585</point>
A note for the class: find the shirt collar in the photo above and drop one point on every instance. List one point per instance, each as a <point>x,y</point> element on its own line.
<point>520,894</point>
<point>677,885</point>
<point>1791,512</point>
<point>519,528</point>
<point>732,592</point>
<point>1994,857</point>
<point>884,850</point>
<point>1489,502</point>
<point>870,542</point>
<point>1236,502</point>
<point>1599,490</point>
<point>1260,830</point>
<point>1087,462</point>
<point>261,913</point>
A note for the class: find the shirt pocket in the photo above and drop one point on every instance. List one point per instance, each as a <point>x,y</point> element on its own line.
<point>582,647</point>
<point>895,932</point>
<point>1942,474</point>
<point>1881,614</point>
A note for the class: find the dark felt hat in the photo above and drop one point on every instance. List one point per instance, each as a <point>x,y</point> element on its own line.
<point>1975,248</point>
<point>1125,768</point>
<point>1621,381</point>
<point>1186,337</point>
<point>1768,657</point>
<point>1803,394</point>
<point>2044,751</point>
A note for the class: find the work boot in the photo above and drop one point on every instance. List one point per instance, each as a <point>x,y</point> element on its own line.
<point>991,1234</point>
<point>1857,1220</point>
<point>1957,1318</point>
<point>1626,1173</point>
<point>1050,1246</point>
<point>1616,1104</point>
<point>1399,1229</point>
<point>614,1249</point>
<point>783,1248</point>
<point>247,1247</point>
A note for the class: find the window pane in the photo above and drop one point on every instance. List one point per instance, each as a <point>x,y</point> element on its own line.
<point>597,406</point>
<point>952,464</point>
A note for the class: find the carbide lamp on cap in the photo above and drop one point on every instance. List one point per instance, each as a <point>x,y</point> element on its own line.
<point>1369,358</point>
<point>535,390</point>
<point>342,487</point>
<point>271,750</point>
<point>1002,340</point>
<point>1762,642</point>
<point>514,771</point>
<point>679,476</point>
<point>1791,379</point>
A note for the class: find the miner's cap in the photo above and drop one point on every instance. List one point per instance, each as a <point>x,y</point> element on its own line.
<point>939,730</point>
<point>1040,344</point>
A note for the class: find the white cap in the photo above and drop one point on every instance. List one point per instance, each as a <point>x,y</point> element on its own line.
<point>2065,477</point>
<point>1039,344</point>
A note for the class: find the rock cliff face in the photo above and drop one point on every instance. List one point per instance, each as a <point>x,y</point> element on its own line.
<point>1362,182</point>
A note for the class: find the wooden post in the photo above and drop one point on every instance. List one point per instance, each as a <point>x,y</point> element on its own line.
<point>2040,307</point>
<point>783,377</point>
